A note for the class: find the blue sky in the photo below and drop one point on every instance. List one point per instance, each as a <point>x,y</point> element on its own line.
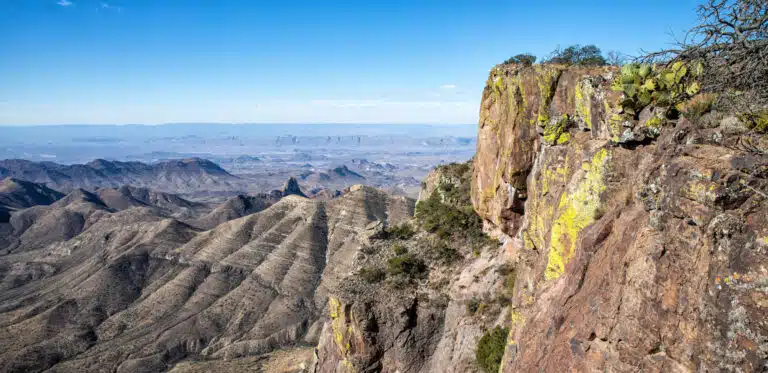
<point>159,61</point>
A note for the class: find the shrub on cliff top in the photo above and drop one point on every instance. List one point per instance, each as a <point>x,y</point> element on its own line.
<point>730,41</point>
<point>490,349</point>
<point>588,55</point>
<point>525,59</point>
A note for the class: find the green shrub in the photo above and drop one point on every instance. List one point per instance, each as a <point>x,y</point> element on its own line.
<point>445,253</point>
<point>509,283</point>
<point>490,349</point>
<point>372,274</point>
<point>588,55</point>
<point>403,231</point>
<point>399,249</point>
<point>508,271</point>
<point>525,59</point>
<point>407,265</point>
<point>450,222</point>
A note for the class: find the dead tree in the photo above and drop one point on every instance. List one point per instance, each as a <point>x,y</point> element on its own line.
<point>731,41</point>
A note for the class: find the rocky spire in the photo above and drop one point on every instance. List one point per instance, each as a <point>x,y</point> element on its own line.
<point>292,187</point>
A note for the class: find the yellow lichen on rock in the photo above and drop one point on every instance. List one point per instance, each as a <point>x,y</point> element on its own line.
<point>342,333</point>
<point>337,324</point>
<point>577,210</point>
<point>546,76</point>
<point>583,95</point>
<point>763,241</point>
<point>701,191</point>
<point>555,174</point>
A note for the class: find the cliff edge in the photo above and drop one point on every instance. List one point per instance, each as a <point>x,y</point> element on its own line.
<point>638,226</point>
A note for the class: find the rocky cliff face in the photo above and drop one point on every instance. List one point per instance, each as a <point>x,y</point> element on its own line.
<point>639,242</point>
<point>630,241</point>
<point>417,297</point>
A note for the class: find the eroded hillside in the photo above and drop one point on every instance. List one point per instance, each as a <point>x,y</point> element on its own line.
<point>104,285</point>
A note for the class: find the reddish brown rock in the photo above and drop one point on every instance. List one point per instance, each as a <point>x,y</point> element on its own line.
<point>645,255</point>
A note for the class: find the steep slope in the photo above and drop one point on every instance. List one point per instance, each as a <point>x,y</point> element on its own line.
<point>138,292</point>
<point>18,194</point>
<point>177,176</point>
<point>419,294</point>
<point>339,178</point>
<point>127,196</point>
<point>639,240</point>
<point>39,226</point>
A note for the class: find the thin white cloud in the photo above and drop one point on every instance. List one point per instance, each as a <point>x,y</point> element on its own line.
<point>64,3</point>
<point>111,7</point>
<point>448,86</point>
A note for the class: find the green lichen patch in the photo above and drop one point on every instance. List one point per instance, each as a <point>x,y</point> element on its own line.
<point>653,126</point>
<point>555,130</point>
<point>757,121</point>
<point>577,211</point>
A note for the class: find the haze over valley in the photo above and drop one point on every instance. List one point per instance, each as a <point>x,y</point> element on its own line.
<point>244,158</point>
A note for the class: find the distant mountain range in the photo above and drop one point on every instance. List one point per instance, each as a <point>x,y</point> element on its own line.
<point>178,176</point>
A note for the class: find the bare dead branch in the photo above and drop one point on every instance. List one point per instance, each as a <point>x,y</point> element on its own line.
<point>731,41</point>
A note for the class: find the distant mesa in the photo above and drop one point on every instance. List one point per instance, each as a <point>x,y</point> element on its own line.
<point>345,172</point>
<point>339,175</point>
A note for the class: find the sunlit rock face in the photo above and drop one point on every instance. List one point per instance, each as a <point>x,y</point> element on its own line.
<point>626,242</point>
<point>637,245</point>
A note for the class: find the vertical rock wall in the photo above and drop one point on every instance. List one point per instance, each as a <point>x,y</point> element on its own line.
<point>637,247</point>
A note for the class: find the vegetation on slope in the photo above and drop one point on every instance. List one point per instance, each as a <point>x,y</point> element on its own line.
<point>448,211</point>
<point>445,230</point>
<point>490,349</point>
